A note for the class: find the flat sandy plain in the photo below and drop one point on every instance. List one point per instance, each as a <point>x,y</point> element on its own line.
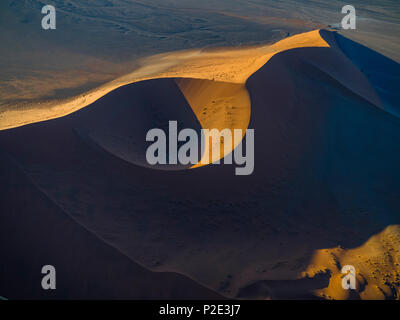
<point>321,105</point>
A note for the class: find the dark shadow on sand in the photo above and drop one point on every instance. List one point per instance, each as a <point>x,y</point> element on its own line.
<point>326,173</point>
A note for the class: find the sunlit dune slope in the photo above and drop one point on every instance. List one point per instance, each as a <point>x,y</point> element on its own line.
<point>377,263</point>
<point>222,102</point>
<point>217,105</point>
<point>36,229</point>
<point>326,174</point>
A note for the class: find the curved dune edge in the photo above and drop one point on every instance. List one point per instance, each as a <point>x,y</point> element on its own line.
<point>330,261</point>
<point>225,65</point>
<point>223,102</point>
<point>217,105</point>
<point>226,105</point>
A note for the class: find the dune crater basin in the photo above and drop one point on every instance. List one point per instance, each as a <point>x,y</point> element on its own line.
<point>325,191</point>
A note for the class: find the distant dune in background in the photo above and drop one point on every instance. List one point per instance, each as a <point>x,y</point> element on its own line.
<point>325,191</point>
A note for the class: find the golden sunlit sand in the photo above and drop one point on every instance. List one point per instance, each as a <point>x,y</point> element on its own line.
<point>377,263</point>
<point>214,84</point>
<point>222,102</point>
<point>224,65</point>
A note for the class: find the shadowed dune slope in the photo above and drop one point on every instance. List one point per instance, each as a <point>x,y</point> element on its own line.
<point>382,72</point>
<point>217,105</point>
<point>119,121</point>
<point>344,153</point>
<point>35,232</point>
<point>326,174</point>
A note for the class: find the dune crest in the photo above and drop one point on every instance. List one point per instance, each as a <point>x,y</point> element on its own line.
<point>225,65</point>
<point>326,172</point>
<point>224,103</point>
<point>217,105</point>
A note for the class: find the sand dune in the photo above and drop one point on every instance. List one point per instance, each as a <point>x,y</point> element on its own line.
<point>217,105</point>
<point>326,174</point>
<point>378,268</point>
<point>226,72</point>
<point>229,65</point>
<point>135,111</point>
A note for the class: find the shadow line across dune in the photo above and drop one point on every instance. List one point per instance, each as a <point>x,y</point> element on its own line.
<point>326,175</point>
